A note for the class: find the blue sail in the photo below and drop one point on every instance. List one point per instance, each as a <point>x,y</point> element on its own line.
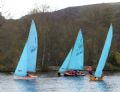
<point>32,46</point>
<point>77,57</point>
<point>21,69</point>
<point>104,55</point>
<point>64,66</point>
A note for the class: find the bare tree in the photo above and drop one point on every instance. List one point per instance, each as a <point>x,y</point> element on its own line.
<point>35,10</point>
<point>45,8</point>
<point>1,17</point>
<point>0,7</point>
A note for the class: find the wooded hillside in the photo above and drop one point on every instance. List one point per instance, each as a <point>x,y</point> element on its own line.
<point>57,32</point>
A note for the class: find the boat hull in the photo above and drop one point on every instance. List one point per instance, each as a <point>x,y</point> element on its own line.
<point>24,78</point>
<point>92,78</point>
<point>69,74</point>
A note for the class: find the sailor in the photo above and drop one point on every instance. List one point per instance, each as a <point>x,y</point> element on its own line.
<point>73,72</point>
<point>90,70</point>
<point>29,75</point>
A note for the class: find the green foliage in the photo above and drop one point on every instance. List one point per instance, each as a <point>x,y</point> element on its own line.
<point>114,58</point>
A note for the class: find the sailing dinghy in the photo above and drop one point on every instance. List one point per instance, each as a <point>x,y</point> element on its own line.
<point>98,73</point>
<point>27,61</point>
<point>74,62</point>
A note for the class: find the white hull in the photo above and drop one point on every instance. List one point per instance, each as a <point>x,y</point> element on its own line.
<point>24,78</point>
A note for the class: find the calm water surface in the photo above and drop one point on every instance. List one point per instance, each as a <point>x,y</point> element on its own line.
<point>49,82</point>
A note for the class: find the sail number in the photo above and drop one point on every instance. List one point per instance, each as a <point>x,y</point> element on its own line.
<point>32,50</point>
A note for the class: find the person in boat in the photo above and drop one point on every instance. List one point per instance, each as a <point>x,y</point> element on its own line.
<point>90,70</point>
<point>80,73</point>
<point>29,75</point>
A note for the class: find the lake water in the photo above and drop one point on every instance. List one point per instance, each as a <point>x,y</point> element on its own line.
<point>49,82</point>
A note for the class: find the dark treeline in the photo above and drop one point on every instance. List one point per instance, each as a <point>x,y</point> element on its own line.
<point>57,32</point>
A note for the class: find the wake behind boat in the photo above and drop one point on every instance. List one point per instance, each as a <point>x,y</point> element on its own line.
<point>73,64</point>
<point>27,62</point>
